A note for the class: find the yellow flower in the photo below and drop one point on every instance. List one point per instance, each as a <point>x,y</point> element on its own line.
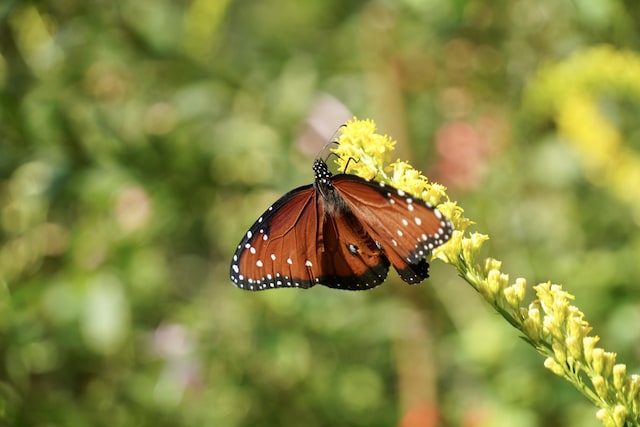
<point>450,251</point>
<point>533,322</point>
<point>599,385</point>
<point>363,152</point>
<point>471,246</point>
<point>553,366</point>
<point>619,375</point>
<point>620,415</point>
<point>362,149</point>
<point>455,214</point>
<point>589,344</point>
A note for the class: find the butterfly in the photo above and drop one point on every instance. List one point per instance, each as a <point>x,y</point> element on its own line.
<point>343,232</point>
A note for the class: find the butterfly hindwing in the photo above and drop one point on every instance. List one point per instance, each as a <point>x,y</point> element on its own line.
<point>350,258</point>
<point>407,228</point>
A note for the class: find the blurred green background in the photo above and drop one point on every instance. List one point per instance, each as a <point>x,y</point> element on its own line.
<point>140,139</point>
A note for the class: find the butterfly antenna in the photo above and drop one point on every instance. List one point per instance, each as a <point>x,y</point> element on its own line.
<point>332,140</point>
<point>326,159</point>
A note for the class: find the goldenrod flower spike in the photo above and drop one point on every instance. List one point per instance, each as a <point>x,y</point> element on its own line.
<point>550,323</point>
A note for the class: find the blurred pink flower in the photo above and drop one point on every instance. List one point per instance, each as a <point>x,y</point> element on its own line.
<point>463,151</point>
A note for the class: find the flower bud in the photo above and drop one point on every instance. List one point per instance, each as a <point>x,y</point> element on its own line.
<point>573,346</point>
<point>576,327</point>
<point>619,415</point>
<point>619,375</point>
<point>553,366</point>
<point>559,352</point>
<point>520,287</point>
<point>609,359</point>
<point>492,264</point>
<point>588,344</point>
<point>599,385</point>
<point>534,314</point>
<point>511,296</point>
<point>551,324</point>
<point>494,283</point>
<point>471,246</point>
<point>560,310</point>
<point>598,360</point>
<point>544,295</point>
<point>633,385</point>
<point>532,328</point>
<point>605,418</point>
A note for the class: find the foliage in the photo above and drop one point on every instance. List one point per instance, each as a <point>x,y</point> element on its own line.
<point>138,140</point>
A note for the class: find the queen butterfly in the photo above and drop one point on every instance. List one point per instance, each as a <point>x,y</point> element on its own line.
<point>343,232</point>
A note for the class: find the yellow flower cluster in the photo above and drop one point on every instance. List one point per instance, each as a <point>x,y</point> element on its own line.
<point>575,355</point>
<point>570,91</point>
<point>550,323</point>
<point>363,150</point>
<point>365,153</point>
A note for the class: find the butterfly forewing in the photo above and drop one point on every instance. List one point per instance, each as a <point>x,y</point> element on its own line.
<point>280,249</point>
<point>407,228</point>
